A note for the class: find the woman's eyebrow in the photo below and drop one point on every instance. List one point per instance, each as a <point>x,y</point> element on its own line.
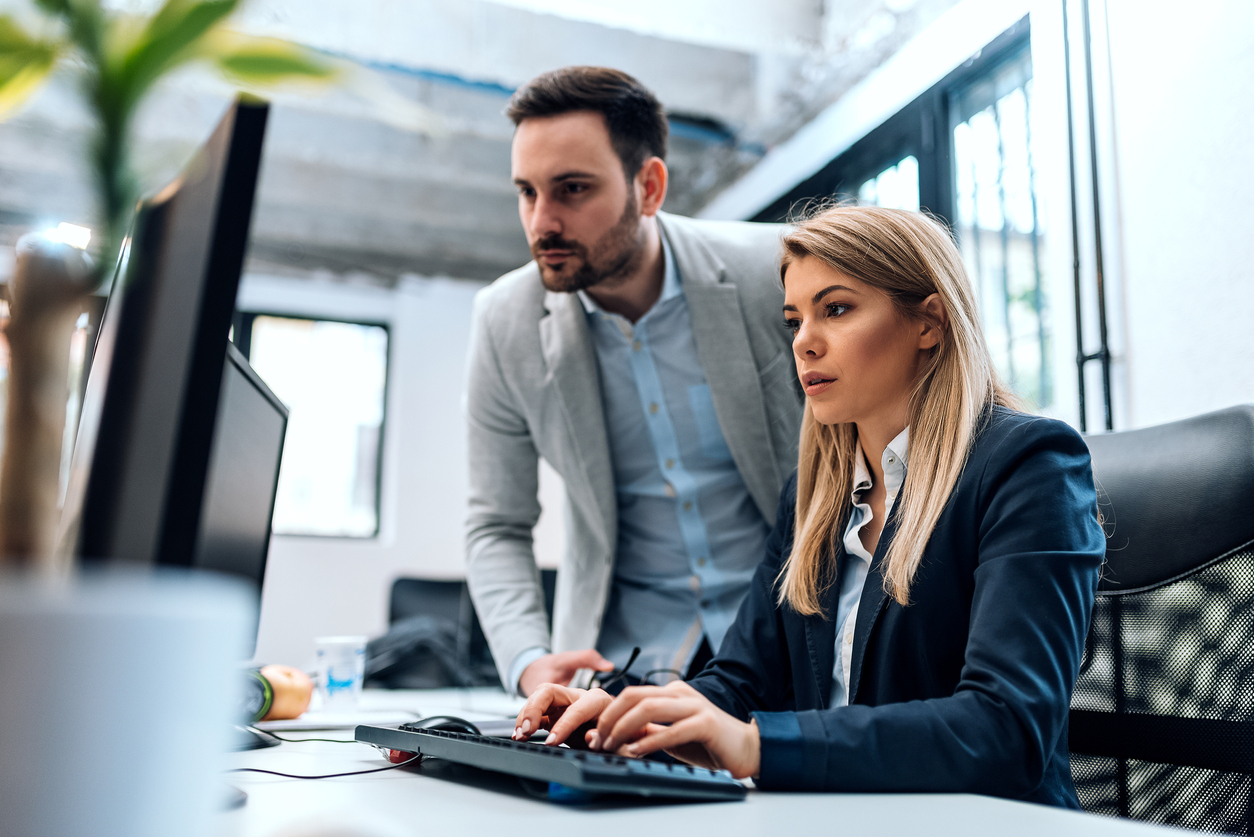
<point>818,296</point>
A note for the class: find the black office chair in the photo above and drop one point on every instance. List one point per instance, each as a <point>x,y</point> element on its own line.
<point>434,639</point>
<point>1162,720</point>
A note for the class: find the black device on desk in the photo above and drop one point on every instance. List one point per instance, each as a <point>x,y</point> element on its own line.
<point>582,770</point>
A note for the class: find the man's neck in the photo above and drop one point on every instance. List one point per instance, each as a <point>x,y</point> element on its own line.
<point>635,293</point>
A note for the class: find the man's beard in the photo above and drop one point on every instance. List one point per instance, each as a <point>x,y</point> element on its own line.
<point>612,258</point>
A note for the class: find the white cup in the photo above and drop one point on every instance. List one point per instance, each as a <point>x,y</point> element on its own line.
<point>117,691</point>
<point>341,668</point>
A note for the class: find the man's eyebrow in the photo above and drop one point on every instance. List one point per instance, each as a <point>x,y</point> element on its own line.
<point>574,175</point>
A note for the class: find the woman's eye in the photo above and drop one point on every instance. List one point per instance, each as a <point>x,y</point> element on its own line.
<point>836,309</point>
<point>793,325</point>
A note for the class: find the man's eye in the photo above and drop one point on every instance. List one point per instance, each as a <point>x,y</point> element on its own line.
<point>576,188</point>
<point>526,192</point>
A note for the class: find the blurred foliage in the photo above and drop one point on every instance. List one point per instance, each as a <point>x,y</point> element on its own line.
<point>119,58</point>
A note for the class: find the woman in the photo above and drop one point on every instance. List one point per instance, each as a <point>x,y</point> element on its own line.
<point>919,618</point>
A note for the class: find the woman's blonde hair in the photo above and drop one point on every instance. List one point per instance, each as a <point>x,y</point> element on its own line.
<point>909,257</point>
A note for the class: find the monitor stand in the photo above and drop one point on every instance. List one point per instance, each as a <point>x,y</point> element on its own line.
<point>243,738</point>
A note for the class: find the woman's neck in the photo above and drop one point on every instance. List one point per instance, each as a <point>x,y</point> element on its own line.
<point>874,437</point>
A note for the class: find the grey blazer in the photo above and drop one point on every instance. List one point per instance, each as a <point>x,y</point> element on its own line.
<point>534,391</point>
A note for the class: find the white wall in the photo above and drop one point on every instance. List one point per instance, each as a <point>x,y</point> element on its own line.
<point>324,586</point>
<point>1184,168</point>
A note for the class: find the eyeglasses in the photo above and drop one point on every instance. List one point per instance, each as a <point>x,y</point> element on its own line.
<point>605,680</point>
<point>613,677</point>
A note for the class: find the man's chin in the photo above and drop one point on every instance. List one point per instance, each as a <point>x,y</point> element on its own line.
<point>562,281</point>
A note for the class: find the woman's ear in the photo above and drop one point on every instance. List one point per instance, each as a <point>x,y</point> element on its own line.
<point>934,321</point>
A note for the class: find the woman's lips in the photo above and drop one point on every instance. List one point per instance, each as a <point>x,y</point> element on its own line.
<point>815,383</point>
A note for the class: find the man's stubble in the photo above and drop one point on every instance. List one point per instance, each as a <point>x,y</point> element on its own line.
<point>608,263</point>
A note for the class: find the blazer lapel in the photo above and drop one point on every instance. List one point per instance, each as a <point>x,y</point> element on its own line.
<point>718,328</point>
<point>571,362</point>
<point>872,603</point>
<point>821,636</point>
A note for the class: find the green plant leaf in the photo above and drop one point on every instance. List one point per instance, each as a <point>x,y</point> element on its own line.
<point>169,39</point>
<point>266,61</point>
<point>25,62</point>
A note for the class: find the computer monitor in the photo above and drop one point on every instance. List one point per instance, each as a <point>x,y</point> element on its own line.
<point>141,459</point>
<point>233,535</point>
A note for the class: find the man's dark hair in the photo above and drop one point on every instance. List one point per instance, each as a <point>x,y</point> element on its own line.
<point>634,116</point>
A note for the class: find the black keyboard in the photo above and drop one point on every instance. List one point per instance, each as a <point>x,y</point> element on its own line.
<point>579,769</point>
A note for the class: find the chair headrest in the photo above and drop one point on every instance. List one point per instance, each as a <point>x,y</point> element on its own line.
<point>1174,497</point>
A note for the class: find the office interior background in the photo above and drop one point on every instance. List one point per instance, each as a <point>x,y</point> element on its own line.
<point>1092,157</point>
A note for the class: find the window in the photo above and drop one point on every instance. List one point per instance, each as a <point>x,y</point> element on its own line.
<point>997,221</point>
<point>333,378</point>
<point>963,152</point>
<point>896,187</point>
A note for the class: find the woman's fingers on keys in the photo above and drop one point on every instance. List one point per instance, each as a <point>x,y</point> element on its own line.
<point>657,708</point>
<point>550,699</point>
<point>622,704</point>
<point>659,737</point>
<point>587,708</point>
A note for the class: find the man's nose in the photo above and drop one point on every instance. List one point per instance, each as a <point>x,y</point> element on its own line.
<point>545,219</point>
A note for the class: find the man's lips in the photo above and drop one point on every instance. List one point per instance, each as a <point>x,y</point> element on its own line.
<point>815,382</point>
<point>555,255</point>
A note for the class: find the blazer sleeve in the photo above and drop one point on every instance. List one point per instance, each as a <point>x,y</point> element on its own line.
<point>503,506</point>
<point>752,671</point>
<point>1040,549</point>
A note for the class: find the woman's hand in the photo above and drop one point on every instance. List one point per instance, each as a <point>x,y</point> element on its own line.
<point>561,710</point>
<point>683,722</point>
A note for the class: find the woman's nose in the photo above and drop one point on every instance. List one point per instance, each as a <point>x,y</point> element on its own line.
<point>806,343</point>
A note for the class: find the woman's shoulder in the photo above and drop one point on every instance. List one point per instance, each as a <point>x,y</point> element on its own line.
<point>1006,437</point>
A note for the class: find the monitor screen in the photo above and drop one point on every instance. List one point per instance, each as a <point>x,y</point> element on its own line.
<point>234,531</point>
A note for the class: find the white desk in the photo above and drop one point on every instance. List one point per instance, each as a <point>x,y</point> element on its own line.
<point>439,798</point>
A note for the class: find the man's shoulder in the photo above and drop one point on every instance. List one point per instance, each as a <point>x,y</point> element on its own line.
<point>735,243</point>
<point>512,294</point>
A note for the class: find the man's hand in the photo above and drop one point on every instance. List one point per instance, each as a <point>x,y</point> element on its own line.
<point>560,668</point>
<point>683,722</point>
<point>292,690</point>
<point>561,710</point>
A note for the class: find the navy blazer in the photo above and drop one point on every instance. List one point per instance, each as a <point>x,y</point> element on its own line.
<point>967,688</point>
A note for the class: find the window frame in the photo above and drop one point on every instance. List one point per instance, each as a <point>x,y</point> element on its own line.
<point>242,332</point>
<point>921,128</point>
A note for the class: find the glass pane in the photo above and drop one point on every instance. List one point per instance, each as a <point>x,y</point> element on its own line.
<point>332,376</point>
<point>896,187</point>
<point>998,223</point>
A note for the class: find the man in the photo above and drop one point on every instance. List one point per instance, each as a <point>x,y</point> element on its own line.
<point>643,356</point>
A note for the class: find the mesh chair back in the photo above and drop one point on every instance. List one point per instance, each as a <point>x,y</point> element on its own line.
<point>1162,720</point>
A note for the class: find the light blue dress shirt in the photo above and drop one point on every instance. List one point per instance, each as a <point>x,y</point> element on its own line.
<point>689,534</point>
<point>857,561</point>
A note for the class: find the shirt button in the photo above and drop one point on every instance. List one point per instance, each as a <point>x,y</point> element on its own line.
<point>701,561</point>
<point>695,583</point>
<point>670,463</point>
<point>653,408</point>
<point>635,346</point>
<point>688,506</point>
<point>705,602</point>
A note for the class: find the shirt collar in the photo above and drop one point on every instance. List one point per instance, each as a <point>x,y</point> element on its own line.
<point>670,282</point>
<point>897,449</point>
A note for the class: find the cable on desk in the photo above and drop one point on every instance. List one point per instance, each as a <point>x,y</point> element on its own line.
<point>326,775</point>
<point>302,740</point>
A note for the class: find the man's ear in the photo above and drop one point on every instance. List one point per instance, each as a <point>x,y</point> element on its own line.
<point>650,184</point>
<point>934,321</point>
